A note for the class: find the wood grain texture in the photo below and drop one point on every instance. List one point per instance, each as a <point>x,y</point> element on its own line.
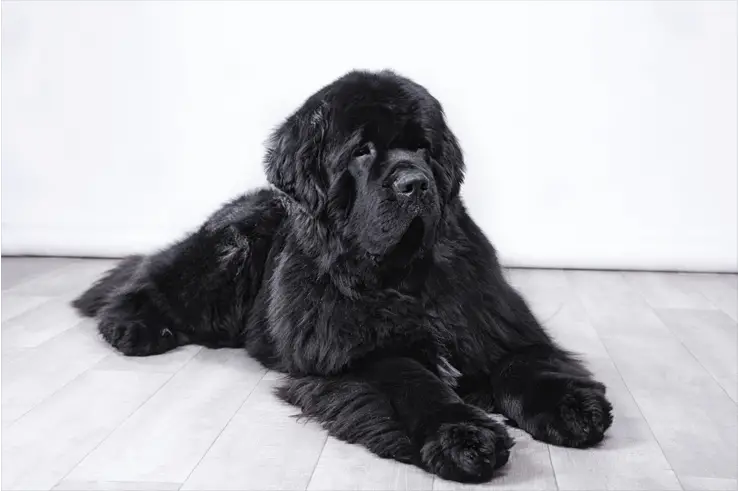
<point>708,484</point>
<point>170,433</point>
<point>343,466</point>
<point>263,447</point>
<point>691,416</point>
<point>29,376</point>
<point>16,270</point>
<point>71,485</point>
<point>77,415</point>
<point>45,444</point>
<point>717,351</point>
<point>720,289</point>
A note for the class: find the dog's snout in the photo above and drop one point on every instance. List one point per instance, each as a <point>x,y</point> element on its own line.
<point>410,182</point>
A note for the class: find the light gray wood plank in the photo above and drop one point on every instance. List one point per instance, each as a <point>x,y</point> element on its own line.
<point>614,307</point>
<point>667,291</point>
<point>68,485</point>
<point>586,480</point>
<point>720,289</point>
<point>344,467</point>
<point>38,325</point>
<point>731,279</point>
<point>690,415</point>
<point>15,305</point>
<point>30,376</point>
<point>16,270</point>
<point>68,281</point>
<point>571,328</point>
<point>263,447</point>
<point>690,483</point>
<point>629,443</point>
<point>170,362</point>
<point>712,338</point>
<point>678,363</point>
<point>545,290</point>
<point>273,376</point>
<point>693,420</point>
<point>167,436</point>
<point>559,310</point>
<point>629,458</point>
<point>43,446</point>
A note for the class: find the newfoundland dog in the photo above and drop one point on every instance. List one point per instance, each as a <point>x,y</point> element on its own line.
<point>361,276</point>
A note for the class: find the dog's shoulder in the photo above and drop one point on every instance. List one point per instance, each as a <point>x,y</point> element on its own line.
<point>260,211</point>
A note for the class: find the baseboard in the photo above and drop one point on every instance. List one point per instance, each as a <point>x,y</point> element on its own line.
<point>73,241</point>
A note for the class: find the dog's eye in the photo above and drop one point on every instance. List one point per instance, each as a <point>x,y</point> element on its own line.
<point>364,149</point>
<point>424,145</point>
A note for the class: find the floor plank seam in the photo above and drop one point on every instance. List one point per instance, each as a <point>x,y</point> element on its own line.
<point>655,310</point>
<point>52,394</point>
<point>694,357</point>
<point>553,468</point>
<point>121,423</point>
<point>679,480</point>
<point>625,384</point>
<point>317,461</point>
<point>248,396</point>
<point>631,328</point>
<point>41,276</point>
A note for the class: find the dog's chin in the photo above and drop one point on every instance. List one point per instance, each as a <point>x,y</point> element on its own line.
<point>411,241</point>
<point>409,244</point>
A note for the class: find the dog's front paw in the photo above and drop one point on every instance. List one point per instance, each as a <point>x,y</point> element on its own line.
<point>579,418</point>
<point>467,451</point>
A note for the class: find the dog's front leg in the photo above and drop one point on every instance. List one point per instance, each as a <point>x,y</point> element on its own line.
<point>549,394</point>
<point>399,409</point>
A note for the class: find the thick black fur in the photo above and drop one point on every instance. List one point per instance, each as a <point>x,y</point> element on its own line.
<point>381,301</point>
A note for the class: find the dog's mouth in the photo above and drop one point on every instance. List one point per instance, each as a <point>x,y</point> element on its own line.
<point>410,242</point>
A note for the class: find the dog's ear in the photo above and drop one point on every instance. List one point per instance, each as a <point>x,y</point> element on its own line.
<point>293,160</point>
<point>453,159</point>
<point>450,169</point>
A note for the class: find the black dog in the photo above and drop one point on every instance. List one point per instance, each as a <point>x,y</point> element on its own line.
<point>362,277</point>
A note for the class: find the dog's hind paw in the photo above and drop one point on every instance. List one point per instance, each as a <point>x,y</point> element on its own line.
<point>134,338</point>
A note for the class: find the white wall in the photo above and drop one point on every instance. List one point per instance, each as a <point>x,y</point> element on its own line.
<point>597,134</point>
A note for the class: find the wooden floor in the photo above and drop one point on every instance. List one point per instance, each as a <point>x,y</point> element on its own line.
<point>76,415</point>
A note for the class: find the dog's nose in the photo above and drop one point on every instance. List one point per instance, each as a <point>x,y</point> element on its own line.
<point>410,182</point>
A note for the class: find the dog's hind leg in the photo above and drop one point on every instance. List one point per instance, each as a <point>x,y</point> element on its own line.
<point>97,296</point>
<point>129,317</point>
<point>198,290</point>
<point>136,324</point>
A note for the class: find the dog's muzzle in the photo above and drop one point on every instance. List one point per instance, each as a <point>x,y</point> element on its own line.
<point>410,182</point>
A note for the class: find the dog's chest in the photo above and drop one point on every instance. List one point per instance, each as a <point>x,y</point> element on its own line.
<point>322,330</point>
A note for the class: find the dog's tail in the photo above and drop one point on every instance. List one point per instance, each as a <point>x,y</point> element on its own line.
<point>95,298</point>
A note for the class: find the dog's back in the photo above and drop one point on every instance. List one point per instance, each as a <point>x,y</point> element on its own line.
<point>92,300</point>
<point>198,290</point>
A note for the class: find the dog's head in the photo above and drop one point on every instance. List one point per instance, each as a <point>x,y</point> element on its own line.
<point>371,157</point>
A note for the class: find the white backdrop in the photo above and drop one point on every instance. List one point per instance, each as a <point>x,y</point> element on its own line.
<point>596,134</point>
